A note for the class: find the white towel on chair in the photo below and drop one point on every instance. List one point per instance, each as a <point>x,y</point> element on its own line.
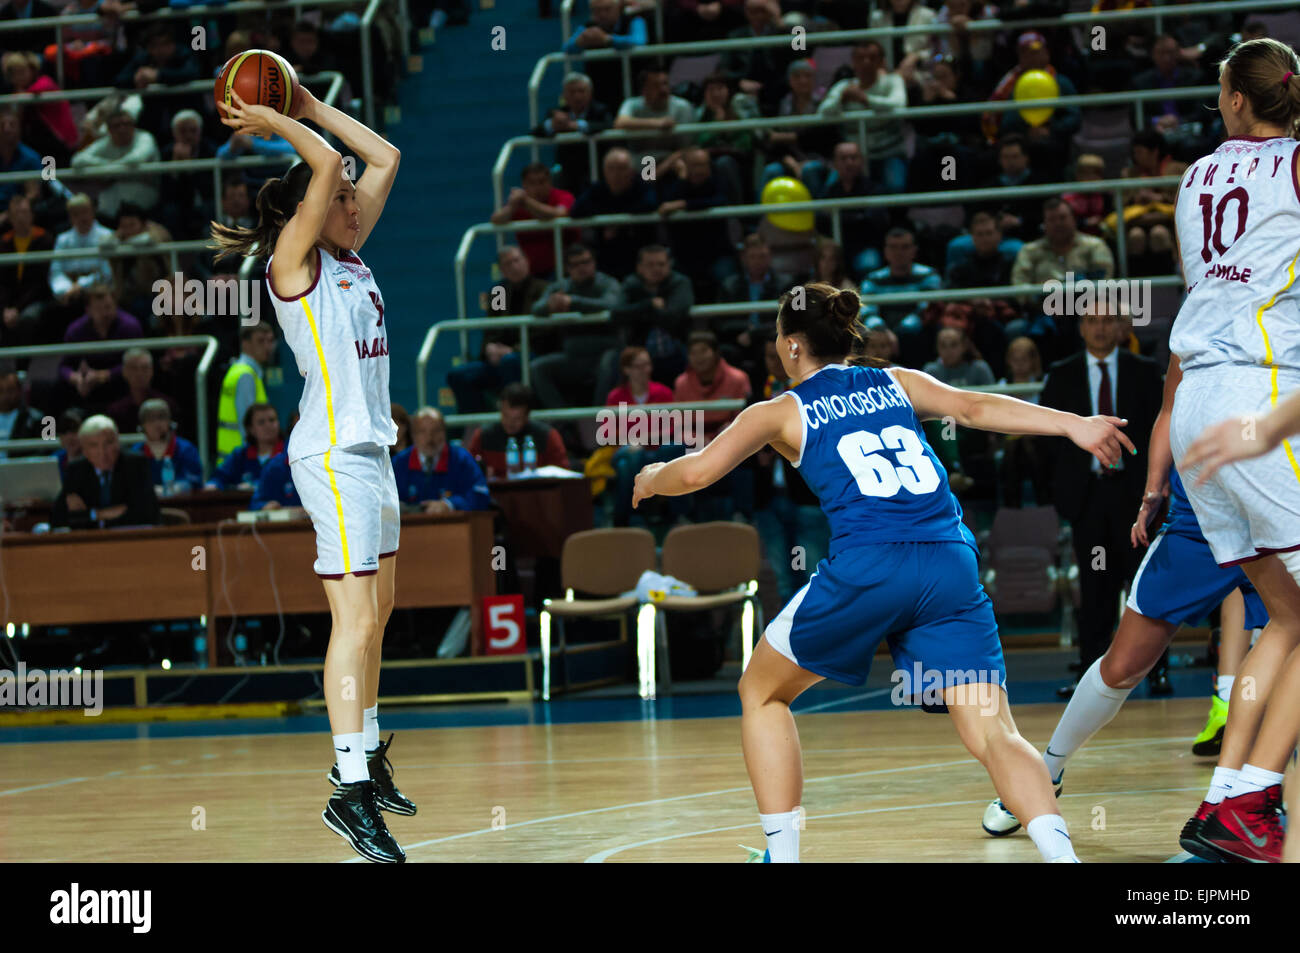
<point>654,586</point>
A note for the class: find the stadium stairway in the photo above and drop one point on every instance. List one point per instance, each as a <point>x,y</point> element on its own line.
<point>452,118</point>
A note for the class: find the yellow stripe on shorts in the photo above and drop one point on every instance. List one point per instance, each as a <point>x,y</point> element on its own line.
<point>1268,356</point>
<point>338,504</point>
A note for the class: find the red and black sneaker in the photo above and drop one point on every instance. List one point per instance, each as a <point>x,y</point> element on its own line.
<point>1248,828</point>
<point>1189,838</point>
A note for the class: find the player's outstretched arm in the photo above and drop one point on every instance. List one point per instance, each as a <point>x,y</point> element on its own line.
<point>1240,438</point>
<point>380,156</point>
<point>933,399</point>
<point>773,421</point>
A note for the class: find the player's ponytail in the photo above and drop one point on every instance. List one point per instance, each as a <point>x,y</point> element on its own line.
<point>827,317</point>
<point>1267,73</point>
<point>277,201</point>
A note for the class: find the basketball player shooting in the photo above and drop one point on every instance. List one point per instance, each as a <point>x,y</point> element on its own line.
<point>312,222</point>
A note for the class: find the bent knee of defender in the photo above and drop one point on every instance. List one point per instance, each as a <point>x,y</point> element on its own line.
<point>1124,670</point>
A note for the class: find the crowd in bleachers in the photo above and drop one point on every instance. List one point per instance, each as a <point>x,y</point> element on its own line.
<point>651,277</point>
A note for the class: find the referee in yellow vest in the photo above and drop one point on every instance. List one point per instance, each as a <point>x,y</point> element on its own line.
<point>242,386</point>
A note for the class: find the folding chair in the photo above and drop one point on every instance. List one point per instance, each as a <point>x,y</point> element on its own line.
<point>603,563</point>
<point>721,561</point>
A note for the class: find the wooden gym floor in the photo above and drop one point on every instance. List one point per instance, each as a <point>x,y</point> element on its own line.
<point>884,785</point>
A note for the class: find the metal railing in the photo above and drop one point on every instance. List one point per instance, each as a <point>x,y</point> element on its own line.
<point>862,119</point>
<point>52,446</point>
<point>173,251</point>
<point>149,344</point>
<point>1117,187</point>
<point>187,13</point>
<point>588,413</point>
<point>1085,19</point>
<point>528,323</point>
<point>335,78</point>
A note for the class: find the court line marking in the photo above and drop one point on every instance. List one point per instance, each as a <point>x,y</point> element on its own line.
<point>601,856</point>
<point>968,760</point>
<point>39,787</point>
<point>841,701</point>
<point>1105,746</point>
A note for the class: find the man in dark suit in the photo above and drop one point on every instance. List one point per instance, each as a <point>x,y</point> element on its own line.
<point>106,487</point>
<point>1100,502</point>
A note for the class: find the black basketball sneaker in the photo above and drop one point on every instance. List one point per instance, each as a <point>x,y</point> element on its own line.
<point>353,814</point>
<point>1189,839</point>
<point>381,772</point>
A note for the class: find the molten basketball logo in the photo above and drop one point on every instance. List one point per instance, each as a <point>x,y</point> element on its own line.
<point>274,93</point>
<point>345,284</point>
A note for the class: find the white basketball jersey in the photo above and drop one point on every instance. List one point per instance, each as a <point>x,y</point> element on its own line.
<point>1238,225</point>
<point>336,330</point>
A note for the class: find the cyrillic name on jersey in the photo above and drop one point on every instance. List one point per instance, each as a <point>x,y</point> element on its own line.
<point>1229,273</point>
<point>823,409</point>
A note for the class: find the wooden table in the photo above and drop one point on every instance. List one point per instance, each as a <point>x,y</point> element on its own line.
<point>542,513</point>
<point>216,570</point>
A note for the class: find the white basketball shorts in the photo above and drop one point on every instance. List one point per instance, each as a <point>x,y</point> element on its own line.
<point>351,498</point>
<point>1250,508</point>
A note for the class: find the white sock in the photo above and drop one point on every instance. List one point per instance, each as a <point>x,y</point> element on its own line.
<point>351,757</point>
<point>1094,704</point>
<point>1051,837</point>
<point>1223,781</point>
<point>1251,779</point>
<point>371,727</point>
<point>782,832</point>
<point>1223,687</point>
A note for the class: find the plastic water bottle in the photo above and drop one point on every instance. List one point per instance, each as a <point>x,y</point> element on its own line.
<point>168,475</point>
<point>530,455</point>
<point>512,457</point>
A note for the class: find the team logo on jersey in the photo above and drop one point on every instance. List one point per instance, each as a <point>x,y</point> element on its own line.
<point>345,284</point>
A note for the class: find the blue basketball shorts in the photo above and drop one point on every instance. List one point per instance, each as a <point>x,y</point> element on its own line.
<point>1180,582</point>
<point>925,599</point>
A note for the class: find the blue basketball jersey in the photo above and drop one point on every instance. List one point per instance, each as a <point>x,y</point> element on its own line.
<point>866,457</point>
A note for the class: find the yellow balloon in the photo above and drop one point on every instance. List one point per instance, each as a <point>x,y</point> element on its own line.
<point>786,189</point>
<point>1037,84</point>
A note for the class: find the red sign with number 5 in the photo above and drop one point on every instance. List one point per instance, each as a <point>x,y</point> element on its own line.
<point>503,625</point>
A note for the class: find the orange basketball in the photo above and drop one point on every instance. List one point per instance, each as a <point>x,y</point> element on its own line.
<point>261,78</point>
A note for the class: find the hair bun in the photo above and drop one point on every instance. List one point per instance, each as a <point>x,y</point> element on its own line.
<point>846,306</point>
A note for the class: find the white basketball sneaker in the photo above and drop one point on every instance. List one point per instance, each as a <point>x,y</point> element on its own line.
<point>999,822</point>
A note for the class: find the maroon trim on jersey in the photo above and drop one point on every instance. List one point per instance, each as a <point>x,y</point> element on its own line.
<point>1259,554</point>
<point>1295,172</point>
<point>319,268</point>
<point>1252,138</point>
<point>386,555</point>
<point>340,575</point>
